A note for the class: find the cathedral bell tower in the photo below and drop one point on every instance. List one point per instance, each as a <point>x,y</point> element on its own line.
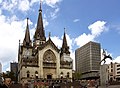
<point>27,42</point>
<point>39,36</point>
<point>65,48</point>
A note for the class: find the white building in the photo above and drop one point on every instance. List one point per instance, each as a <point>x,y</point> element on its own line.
<point>114,71</point>
<point>42,59</point>
<point>110,72</point>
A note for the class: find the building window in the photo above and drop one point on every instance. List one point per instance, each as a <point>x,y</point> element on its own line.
<point>111,65</point>
<point>28,74</point>
<point>111,70</point>
<point>61,75</point>
<point>118,72</point>
<point>68,74</point>
<point>118,68</point>
<point>36,75</point>
<point>118,65</point>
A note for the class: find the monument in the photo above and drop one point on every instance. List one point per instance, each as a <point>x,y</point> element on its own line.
<point>104,69</point>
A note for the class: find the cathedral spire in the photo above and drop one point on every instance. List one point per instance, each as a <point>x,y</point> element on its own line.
<point>64,40</point>
<point>65,48</point>
<point>39,33</point>
<point>27,41</point>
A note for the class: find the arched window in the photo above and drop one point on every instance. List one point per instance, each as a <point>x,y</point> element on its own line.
<point>61,75</point>
<point>36,74</point>
<point>49,56</point>
<point>68,74</point>
<point>28,74</point>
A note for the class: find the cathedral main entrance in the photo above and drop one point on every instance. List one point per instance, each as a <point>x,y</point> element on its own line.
<point>49,76</point>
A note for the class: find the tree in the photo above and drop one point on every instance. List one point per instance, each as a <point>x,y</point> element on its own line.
<point>76,75</point>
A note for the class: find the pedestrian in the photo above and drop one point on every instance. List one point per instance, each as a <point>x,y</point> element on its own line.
<point>6,83</point>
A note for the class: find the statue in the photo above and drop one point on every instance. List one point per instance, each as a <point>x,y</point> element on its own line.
<point>105,57</point>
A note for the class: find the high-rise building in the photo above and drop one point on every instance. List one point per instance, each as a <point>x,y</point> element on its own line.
<point>87,60</point>
<point>14,67</point>
<point>42,59</point>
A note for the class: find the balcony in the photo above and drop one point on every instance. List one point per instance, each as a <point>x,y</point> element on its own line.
<point>49,65</point>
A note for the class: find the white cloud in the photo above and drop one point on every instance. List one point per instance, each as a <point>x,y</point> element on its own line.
<point>45,22</point>
<point>57,41</point>
<point>9,5</point>
<point>117,59</point>
<point>54,14</point>
<point>96,29</point>
<point>33,1</point>
<point>83,39</point>
<point>52,3</point>
<point>76,20</point>
<point>0,1</point>
<point>24,5</point>
<point>11,30</point>
<point>0,11</point>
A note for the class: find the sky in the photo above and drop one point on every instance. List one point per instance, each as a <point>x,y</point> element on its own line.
<point>83,20</point>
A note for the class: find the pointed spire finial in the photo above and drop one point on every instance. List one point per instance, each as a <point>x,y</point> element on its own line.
<point>40,5</point>
<point>64,30</point>
<point>49,34</point>
<point>27,21</point>
<point>65,47</point>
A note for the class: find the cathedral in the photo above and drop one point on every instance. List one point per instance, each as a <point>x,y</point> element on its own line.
<point>41,58</point>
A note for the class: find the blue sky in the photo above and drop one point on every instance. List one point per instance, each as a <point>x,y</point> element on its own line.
<point>84,21</point>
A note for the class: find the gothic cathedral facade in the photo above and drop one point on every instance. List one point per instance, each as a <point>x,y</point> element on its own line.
<point>41,58</point>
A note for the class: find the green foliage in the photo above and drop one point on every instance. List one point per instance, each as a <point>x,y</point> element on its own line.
<point>76,75</point>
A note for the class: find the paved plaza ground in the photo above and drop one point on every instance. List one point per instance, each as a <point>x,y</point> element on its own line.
<point>111,86</point>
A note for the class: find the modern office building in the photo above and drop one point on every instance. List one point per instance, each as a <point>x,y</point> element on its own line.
<point>87,60</point>
<point>42,59</point>
<point>14,67</point>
